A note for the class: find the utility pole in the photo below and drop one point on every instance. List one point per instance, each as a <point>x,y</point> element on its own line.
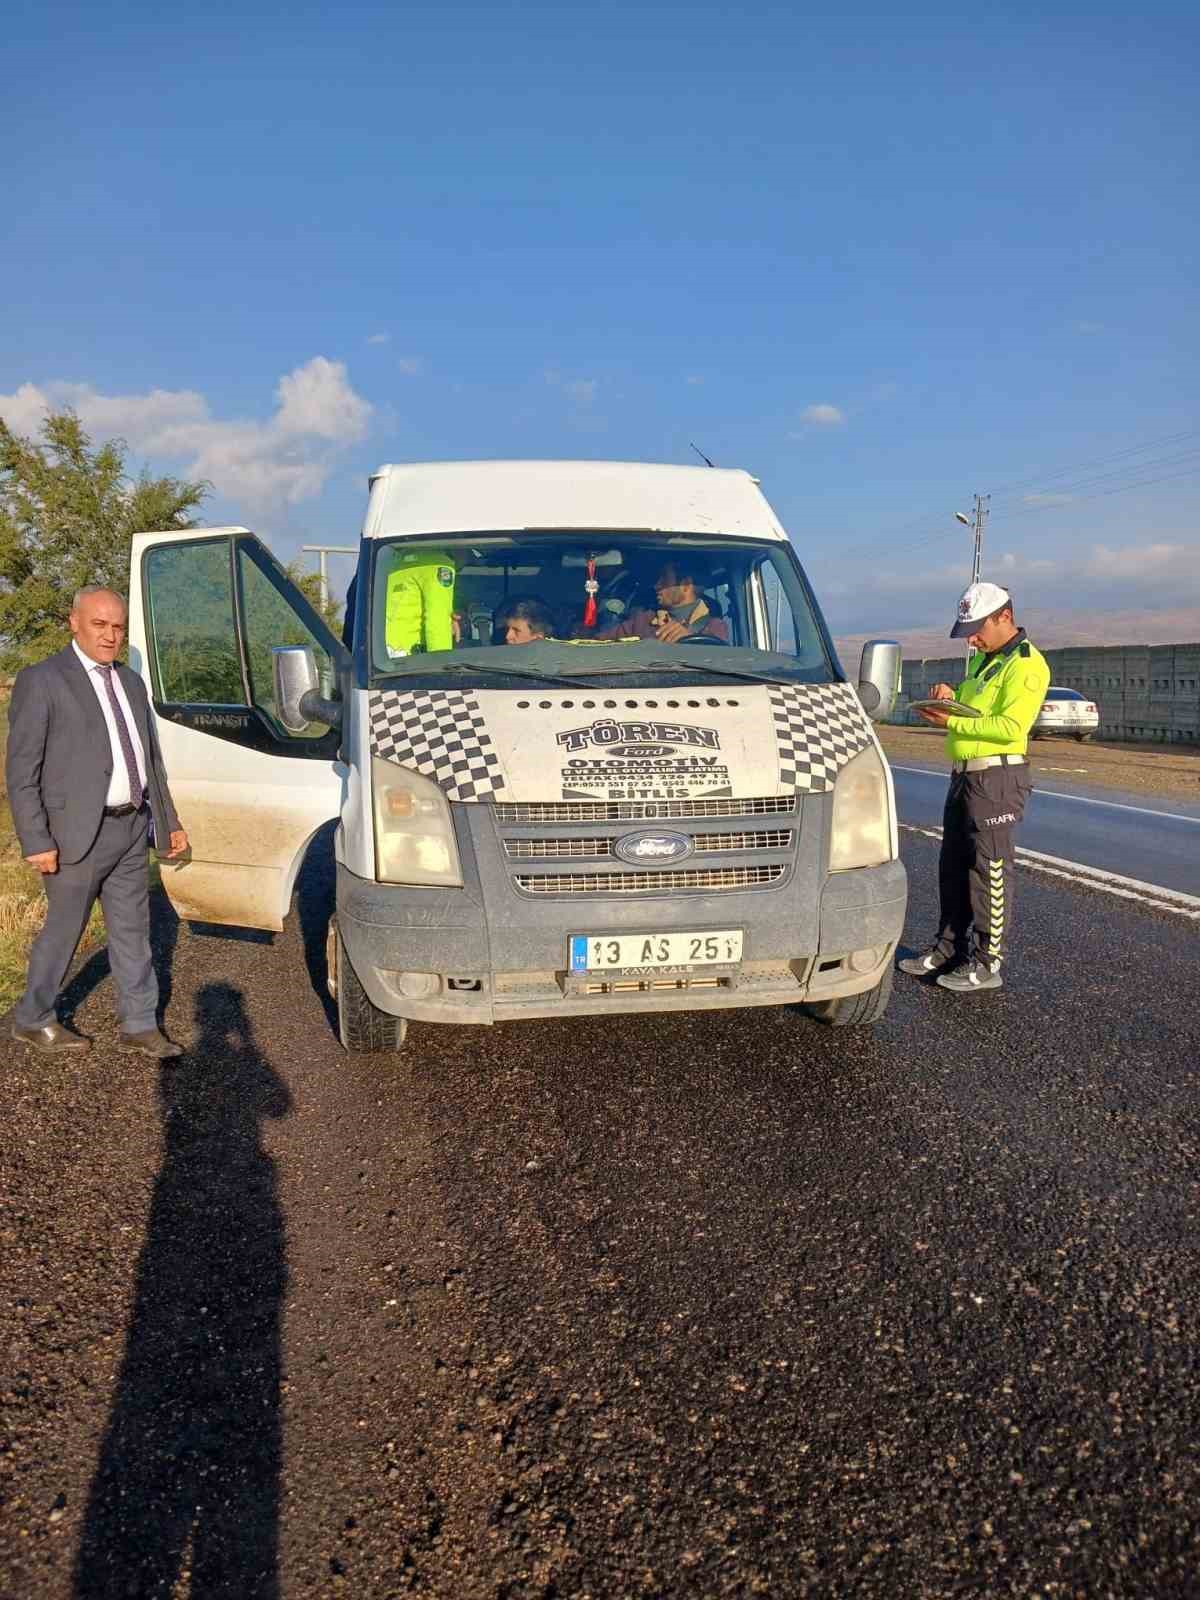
<point>981,514</point>
<point>321,551</point>
<point>976,524</point>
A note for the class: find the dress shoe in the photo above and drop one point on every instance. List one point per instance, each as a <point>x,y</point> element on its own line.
<point>151,1043</point>
<point>54,1036</point>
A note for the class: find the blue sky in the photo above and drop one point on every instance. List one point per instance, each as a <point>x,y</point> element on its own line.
<point>882,261</point>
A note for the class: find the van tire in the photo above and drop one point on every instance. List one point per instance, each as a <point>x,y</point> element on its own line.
<point>854,1010</point>
<point>362,1027</point>
<point>1083,738</point>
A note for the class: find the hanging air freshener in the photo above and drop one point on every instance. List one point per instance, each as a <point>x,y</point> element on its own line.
<point>591,588</point>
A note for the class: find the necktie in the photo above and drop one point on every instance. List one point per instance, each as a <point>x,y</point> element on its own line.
<point>126,743</point>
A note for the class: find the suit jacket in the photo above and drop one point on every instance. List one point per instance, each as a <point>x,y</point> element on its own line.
<point>60,759</point>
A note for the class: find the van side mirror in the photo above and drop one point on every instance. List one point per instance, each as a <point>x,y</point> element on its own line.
<point>298,697</point>
<point>879,678</point>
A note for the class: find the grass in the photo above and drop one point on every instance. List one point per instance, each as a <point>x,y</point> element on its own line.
<point>22,903</point>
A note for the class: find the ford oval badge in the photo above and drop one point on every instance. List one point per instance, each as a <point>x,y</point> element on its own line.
<point>647,848</point>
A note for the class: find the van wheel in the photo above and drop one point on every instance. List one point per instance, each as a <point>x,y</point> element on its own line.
<point>854,1010</point>
<point>1083,738</point>
<point>362,1027</point>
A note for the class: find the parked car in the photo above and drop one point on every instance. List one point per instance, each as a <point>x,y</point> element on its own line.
<point>1067,711</point>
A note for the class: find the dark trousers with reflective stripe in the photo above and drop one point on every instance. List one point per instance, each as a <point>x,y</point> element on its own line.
<point>975,872</point>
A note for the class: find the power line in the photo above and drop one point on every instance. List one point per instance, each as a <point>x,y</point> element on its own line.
<point>1089,480</point>
<point>1095,461</point>
<point>1032,511</point>
<point>1049,477</point>
<point>1103,494</point>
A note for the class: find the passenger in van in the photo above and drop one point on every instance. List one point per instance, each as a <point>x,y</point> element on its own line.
<point>682,611</point>
<point>526,619</point>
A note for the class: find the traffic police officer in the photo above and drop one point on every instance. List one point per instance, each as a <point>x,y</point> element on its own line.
<point>419,601</point>
<point>1007,680</point>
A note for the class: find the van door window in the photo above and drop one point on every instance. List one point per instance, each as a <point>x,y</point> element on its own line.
<point>214,608</point>
<point>269,619</point>
<point>191,635</point>
<point>781,622</point>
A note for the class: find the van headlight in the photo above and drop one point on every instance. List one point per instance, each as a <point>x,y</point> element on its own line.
<point>862,830</point>
<point>414,836</point>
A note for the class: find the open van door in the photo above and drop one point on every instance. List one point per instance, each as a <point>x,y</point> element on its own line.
<point>206,606</point>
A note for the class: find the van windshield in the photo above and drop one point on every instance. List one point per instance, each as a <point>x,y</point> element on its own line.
<point>475,610</point>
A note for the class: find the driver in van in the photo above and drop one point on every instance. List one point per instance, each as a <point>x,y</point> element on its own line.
<point>526,619</point>
<point>682,611</point>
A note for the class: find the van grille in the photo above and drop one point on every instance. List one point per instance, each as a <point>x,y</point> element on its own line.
<point>642,810</point>
<point>768,839</point>
<point>568,848</point>
<point>649,882</point>
<point>549,849</point>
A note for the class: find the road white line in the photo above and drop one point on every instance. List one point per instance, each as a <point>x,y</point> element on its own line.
<point>1083,799</point>
<point>1145,894</point>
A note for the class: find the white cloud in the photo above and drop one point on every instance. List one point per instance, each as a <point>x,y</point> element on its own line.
<point>822,416</point>
<point>411,366</point>
<point>938,584</point>
<point>693,378</point>
<point>1092,584</point>
<point>1171,571</point>
<point>1146,565</point>
<point>264,464</point>
<point>24,410</point>
<point>1011,568</point>
<point>132,416</point>
<point>378,338</point>
<point>1047,499</point>
<point>1087,328</point>
<point>317,398</point>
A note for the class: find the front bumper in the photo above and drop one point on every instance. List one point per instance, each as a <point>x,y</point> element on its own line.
<point>436,955</point>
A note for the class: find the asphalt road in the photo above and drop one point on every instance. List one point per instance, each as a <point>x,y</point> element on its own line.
<point>1149,837</point>
<point>710,1306</point>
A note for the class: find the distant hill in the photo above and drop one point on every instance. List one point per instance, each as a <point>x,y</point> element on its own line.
<point>1050,630</point>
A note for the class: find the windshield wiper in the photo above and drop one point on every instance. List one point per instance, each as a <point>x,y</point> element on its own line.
<point>514,672</point>
<point>690,665</point>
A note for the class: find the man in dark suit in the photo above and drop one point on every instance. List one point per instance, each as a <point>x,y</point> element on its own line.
<point>85,779</point>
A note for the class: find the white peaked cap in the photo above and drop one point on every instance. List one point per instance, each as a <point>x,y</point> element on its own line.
<point>977,602</point>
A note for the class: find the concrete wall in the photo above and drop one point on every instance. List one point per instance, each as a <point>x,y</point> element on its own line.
<point>1145,692</point>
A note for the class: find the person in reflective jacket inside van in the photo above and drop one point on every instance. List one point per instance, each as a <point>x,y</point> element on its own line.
<point>419,602</point>
<point>1005,685</point>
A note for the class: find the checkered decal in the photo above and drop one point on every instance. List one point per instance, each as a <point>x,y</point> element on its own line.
<point>817,730</point>
<point>443,735</point>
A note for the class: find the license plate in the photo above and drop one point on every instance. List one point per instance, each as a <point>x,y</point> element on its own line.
<point>659,952</point>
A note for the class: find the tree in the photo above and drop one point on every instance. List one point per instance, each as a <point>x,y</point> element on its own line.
<point>68,514</point>
<point>309,584</point>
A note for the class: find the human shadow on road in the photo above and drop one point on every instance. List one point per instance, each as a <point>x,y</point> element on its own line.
<point>187,1480</point>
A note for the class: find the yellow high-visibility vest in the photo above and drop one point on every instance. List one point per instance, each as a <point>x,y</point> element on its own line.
<point>1009,687</point>
<point>419,602</point>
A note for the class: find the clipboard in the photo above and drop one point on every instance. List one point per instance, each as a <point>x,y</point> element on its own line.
<point>954,708</point>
